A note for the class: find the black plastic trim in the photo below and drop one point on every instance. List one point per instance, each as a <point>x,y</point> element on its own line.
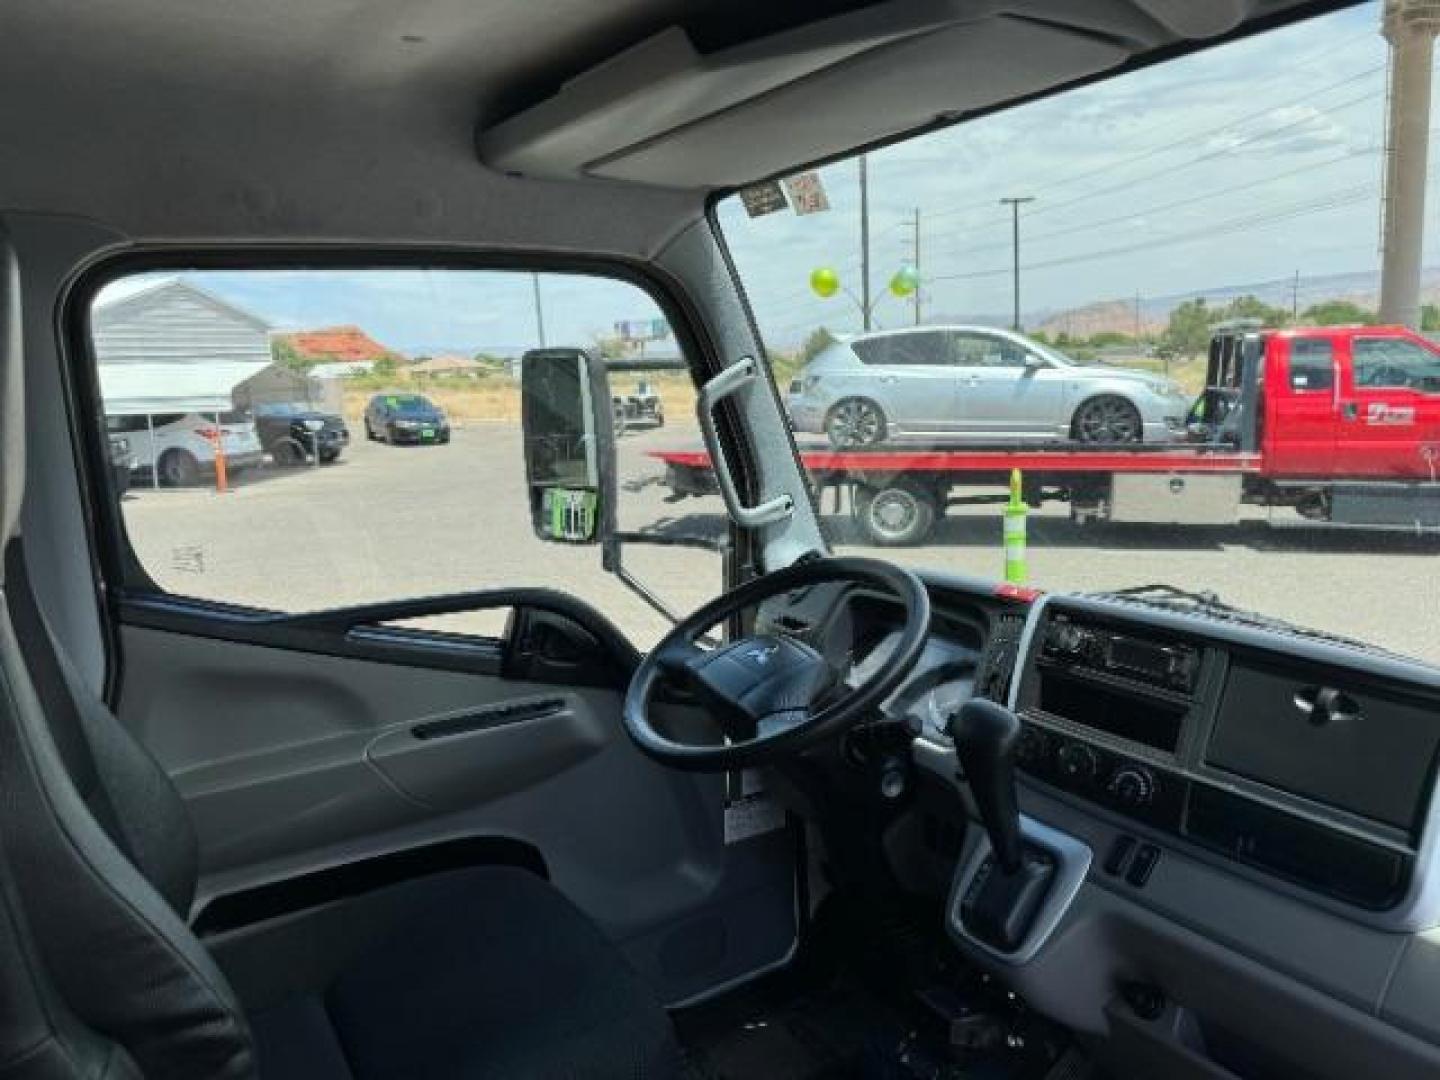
<point>356,631</point>
<point>485,719</point>
<point>231,911</point>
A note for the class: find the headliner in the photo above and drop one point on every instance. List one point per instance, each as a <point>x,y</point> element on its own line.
<point>356,119</point>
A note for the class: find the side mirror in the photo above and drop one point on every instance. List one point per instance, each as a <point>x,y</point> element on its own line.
<point>565,413</point>
<point>1034,361</point>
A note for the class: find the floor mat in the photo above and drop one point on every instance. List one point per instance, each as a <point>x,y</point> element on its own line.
<point>873,997</point>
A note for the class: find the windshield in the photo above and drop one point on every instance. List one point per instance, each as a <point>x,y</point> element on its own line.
<point>409,404</point>
<point>1140,224</point>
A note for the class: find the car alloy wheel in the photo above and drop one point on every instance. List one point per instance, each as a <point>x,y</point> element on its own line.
<point>178,468</point>
<point>1107,419</point>
<point>854,422</point>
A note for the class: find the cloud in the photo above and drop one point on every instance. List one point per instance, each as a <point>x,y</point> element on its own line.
<point>1291,129</point>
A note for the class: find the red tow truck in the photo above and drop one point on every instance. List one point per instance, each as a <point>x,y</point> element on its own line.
<point>1341,424</point>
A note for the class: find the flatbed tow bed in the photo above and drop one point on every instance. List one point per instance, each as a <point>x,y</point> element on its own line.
<point>898,494</point>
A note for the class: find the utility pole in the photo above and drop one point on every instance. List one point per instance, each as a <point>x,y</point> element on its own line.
<point>864,243</point>
<point>1014,202</point>
<point>914,242</point>
<point>1410,26</point>
<point>539,309</point>
<point>1295,298</point>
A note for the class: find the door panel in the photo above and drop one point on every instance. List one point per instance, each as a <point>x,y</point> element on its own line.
<point>1302,405</point>
<point>1390,408</point>
<point>296,760</point>
<point>996,395</point>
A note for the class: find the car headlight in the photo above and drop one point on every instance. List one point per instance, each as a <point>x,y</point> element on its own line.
<point>312,425</point>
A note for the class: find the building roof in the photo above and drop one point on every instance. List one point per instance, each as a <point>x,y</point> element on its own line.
<point>347,343</point>
<point>124,306</point>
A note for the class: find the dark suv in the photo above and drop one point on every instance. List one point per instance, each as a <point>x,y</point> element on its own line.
<point>405,418</point>
<point>291,432</point>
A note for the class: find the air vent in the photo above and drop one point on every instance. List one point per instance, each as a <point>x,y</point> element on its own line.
<point>992,679</point>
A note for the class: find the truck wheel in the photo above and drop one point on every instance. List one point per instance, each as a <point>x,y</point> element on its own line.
<point>287,453</point>
<point>1106,419</point>
<point>900,515</point>
<point>178,468</point>
<point>854,422</point>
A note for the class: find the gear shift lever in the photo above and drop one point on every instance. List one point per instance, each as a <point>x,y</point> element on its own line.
<point>1000,905</point>
<point>985,735</point>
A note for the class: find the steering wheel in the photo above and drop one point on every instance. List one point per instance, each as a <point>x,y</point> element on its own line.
<point>771,693</point>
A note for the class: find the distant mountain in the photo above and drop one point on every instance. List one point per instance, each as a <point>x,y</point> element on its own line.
<point>1362,288</point>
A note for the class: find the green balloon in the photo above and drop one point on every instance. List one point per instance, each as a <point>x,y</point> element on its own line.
<point>905,281</point>
<point>824,281</point>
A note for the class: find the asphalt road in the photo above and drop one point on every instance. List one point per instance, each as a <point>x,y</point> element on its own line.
<point>388,522</point>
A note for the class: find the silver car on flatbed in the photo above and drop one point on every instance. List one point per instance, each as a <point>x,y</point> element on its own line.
<point>976,384</point>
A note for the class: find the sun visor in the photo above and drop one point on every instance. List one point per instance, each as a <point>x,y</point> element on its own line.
<point>661,113</point>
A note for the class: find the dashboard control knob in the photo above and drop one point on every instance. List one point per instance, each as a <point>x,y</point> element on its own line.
<point>1077,762</point>
<point>1133,785</point>
<point>1034,747</point>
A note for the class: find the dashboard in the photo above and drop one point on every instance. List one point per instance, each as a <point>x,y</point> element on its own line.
<point>1255,804</point>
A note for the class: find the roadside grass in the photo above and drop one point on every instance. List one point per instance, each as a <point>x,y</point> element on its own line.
<point>497,397</point>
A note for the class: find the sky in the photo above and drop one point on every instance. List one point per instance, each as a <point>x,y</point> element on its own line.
<point>1244,163</point>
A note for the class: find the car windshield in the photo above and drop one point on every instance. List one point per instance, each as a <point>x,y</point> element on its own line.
<point>1117,226</point>
<point>409,403</point>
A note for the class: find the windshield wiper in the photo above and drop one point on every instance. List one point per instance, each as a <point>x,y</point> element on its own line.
<point>1204,602</point>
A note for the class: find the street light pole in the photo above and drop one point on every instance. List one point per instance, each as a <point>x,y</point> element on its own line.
<point>1014,202</point>
<point>864,243</point>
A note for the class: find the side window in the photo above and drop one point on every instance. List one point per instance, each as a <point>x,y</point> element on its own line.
<point>903,350</point>
<point>1382,363</point>
<point>411,480</point>
<point>1312,365</point>
<point>985,350</point>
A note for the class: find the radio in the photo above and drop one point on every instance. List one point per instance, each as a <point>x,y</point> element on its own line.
<point>1170,665</point>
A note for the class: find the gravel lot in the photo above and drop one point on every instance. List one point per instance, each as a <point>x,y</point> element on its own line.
<point>387,522</point>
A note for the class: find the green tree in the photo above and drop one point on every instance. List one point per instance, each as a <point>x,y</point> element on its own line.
<point>1106,338</point>
<point>1337,313</point>
<point>819,339</point>
<point>285,354</point>
<point>1188,332</point>
<point>385,367</point>
<point>1252,307</point>
<point>1430,317</point>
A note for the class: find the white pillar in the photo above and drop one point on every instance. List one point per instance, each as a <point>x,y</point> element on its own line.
<point>1410,27</point>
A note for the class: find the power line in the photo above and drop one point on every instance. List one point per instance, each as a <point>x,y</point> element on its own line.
<point>1184,140</point>
<point>1203,196</point>
<point>1331,201</point>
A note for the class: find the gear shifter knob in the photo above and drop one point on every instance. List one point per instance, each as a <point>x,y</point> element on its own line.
<point>985,736</point>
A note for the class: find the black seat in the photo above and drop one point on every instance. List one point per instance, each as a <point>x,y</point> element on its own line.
<point>485,972</point>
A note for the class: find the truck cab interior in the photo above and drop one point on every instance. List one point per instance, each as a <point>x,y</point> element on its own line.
<point>841,816</point>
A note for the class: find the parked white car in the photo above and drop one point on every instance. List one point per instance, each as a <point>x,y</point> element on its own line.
<point>976,383</point>
<point>183,447</point>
